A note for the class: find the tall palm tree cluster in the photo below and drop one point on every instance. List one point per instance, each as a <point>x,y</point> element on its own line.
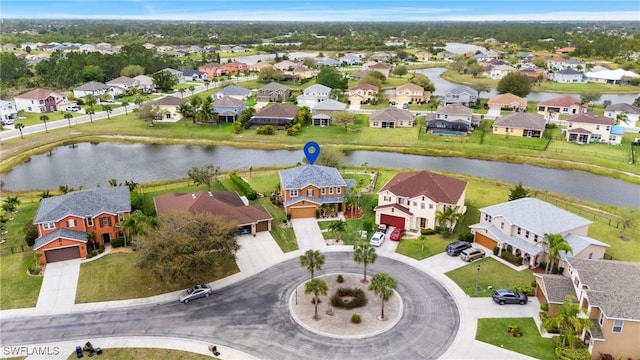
<point>199,110</point>
<point>448,217</point>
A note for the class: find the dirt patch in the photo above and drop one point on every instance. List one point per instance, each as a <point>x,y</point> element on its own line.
<point>121,250</point>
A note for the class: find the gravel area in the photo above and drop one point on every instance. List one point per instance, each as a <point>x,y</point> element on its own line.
<point>336,322</point>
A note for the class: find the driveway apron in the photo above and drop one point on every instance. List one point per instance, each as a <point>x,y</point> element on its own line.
<point>58,291</point>
<point>257,252</point>
<point>308,234</point>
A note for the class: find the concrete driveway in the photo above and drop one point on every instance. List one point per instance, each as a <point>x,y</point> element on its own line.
<point>308,234</point>
<point>258,252</point>
<point>58,290</point>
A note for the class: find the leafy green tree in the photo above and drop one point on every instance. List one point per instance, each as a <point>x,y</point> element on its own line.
<point>567,321</point>
<point>316,287</point>
<point>636,102</point>
<point>330,77</point>
<point>554,244</point>
<point>518,192</point>
<point>330,156</point>
<point>268,74</point>
<point>590,97</point>
<point>105,97</point>
<point>312,260</point>
<point>132,70</point>
<point>628,218</point>
<point>124,105</point>
<point>205,175</point>
<point>164,80</point>
<point>364,254</point>
<point>44,119</point>
<point>187,111</point>
<point>92,73</point>
<point>14,69</point>
<point>400,70</point>
<point>10,204</point>
<point>378,75</point>
<point>475,69</point>
<point>303,116</point>
<point>108,109</point>
<point>245,116</point>
<point>422,80</point>
<point>19,126</point>
<point>68,117</point>
<point>515,83</point>
<point>383,285</point>
<point>30,233</point>
<point>371,80</point>
<point>187,247</point>
<point>338,227</point>
<point>148,112</point>
<point>345,118</point>
<point>138,100</point>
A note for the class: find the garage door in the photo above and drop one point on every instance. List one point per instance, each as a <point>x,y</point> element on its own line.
<point>62,254</point>
<point>485,241</point>
<point>303,212</point>
<point>262,226</point>
<point>392,221</point>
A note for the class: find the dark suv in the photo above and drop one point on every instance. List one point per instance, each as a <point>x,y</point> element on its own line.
<point>454,248</point>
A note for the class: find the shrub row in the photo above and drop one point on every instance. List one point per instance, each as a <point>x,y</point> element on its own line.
<point>511,258</point>
<point>244,186</point>
<point>357,298</point>
<point>117,242</point>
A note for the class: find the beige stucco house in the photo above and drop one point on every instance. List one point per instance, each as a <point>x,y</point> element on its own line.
<point>519,124</point>
<point>593,128</point>
<point>168,108</point>
<point>410,93</point>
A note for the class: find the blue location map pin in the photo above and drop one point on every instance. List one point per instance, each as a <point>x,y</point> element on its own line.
<point>311,151</point>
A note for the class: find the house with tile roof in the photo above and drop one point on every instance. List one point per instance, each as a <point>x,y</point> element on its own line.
<point>506,101</point>
<point>461,95</point>
<point>411,200</point>
<point>452,119</point>
<point>351,59</point>
<point>274,92</point>
<point>233,91</point>
<point>144,82</point>
<point>384,69</point>
<point>260,65</point>
<point>236,67</point>
<point>519,124</point>
<point>168,107</point>
<point>593,128</point>
<point>64,221</point>
<point>628,115</point>
<point>322,112</point>
<point>608,293</point>
<point>313,190</point>
<point>280,116</point>
<point>40,101</point>
<point>520,227</point>
<point>565,105</point>
<point>391,117</point>
<point>212,70</point>
<point>228,108</point>
<point>250,219</point>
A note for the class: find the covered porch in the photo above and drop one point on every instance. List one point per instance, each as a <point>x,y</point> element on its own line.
<point>530,254</point>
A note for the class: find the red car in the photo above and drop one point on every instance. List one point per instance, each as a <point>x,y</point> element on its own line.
<point>396,234</point>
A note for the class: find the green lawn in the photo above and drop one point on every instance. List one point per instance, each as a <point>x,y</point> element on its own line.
<point>423,247</point>
<point>492,273</point>
<point>17,289</point>
<point>104,279</point>
<point>144,353</point>
<point>494,331</point>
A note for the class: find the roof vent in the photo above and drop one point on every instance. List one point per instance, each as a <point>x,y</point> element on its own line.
<point>193,196</point>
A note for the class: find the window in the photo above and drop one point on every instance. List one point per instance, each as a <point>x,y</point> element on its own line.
<point>330,190</point>
<point>526,235</point>
<point>339,190</point>
<point>617,326</point>
<point>430,206</point>
<point>601,321</point>
<point>49,226</point>
<point>519,230</point>
<point>375,123</point>
<point>590,255</point>
<point>293,192</point>
<point>323,191</point>
<point>71,223</point>
<point>612,138</point>
<point>89,222</point>
<point>422,206</point>
<point>597,127</point>
<point>502,225</point>
<point>402,201</point>
<point>595,137</point>
<point>310,192</point>
<point>570,125</point>
<point>487,217</point>
<point>608,127</point>
<point>105,221</point>
<point>415,203</point>
<point>535,238</point>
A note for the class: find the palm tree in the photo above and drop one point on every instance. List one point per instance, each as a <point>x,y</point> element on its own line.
<point>382,284</point>
<point>206,83</point>
<point>91,239</point>
<point>68,117</point>
<point>555,243</point>
<point>108,109</point>
<point>195,102</point>
<point>448,217</point>
<point>312,260</point>
<point>138,100</point>
<point>192,89</point>
<point>90,100</point>
<point>90,112</point>
<point>364,254</point>
<point>136,224</point>
<point>316,287</point>
<point>339,227</point>
<point>181,93</point>
<point>124,105</point>
<point>567,320</point>
<point>105,97</point>
<point>44,118</point>
<point>206,113</point>
<point>19,126</point>
<point>185,110</point>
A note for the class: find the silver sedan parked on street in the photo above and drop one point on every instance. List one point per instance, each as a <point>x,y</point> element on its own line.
<point>195,292</point>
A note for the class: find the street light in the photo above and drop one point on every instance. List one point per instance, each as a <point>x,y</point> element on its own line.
<point>477,280</point>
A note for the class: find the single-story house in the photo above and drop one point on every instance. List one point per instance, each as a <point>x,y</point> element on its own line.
<point>520,124</point>
<point>507,101</point>
<point>391,117</point>
<point>322,112</point>
<point>195,75</point>
<point>278,115</point>
<point>233,91</point>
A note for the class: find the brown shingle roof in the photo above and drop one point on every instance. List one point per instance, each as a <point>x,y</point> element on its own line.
<point>228,101</point>
<point>278,111</point>
<point>170,101</point>
<point>557,287</point>
<point>439,188</point>
<point>561,101</point>
<point>365,87</point>
<point>591,118</point>
<point>36,94</point>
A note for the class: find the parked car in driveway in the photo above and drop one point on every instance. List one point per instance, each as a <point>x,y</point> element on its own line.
<point>377,239</point>
<point>396,234</point>
<point>456,247</point>
<point>195,292</point>
<point>506,296</point>
<point>72,108</point>
<point>471,254</point>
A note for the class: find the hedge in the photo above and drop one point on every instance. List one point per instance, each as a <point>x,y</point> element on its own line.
<point>244,186</point>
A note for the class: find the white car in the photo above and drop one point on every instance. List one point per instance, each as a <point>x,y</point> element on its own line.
<point>72,108</point>
<point>377,239</point>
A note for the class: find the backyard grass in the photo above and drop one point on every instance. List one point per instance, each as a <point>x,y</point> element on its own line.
<point>143,353</point>
<point>492,273</point>
<point>104,279</point>
<point>494,331</point>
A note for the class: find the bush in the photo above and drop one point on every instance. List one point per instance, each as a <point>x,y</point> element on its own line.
<point>244,186</point>
<point>30,233</point>
<point>569,353</point>
<point>117,242</point>
<point>355,318</point>
<point>496,250</point>
<point>294,130</point>
<point>439,229</point>
<point>35,269</point>
<point>511,258</point>
<point>367,225</point>
<point>92,253</point>
<point>340,278</point>
<point>551,125</point>
<point>544,307</point>
<point>266,130</point>
<point>525,289</point>
<point>349,298</point>
<point>427,232</point>
<point>606,356</point>
<point>466,237</point>
<point>100,249</point>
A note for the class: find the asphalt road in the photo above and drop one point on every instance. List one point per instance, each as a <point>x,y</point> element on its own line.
<point>252,316</point>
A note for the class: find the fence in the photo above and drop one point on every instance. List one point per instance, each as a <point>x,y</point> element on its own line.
<point>14,249</point>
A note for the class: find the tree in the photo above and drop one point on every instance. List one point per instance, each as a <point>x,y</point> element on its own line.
<point>330,156</point>
<point>164,80</point>
<point>480,88</point>
<point>10,204</point>
<point>105,97</point>
<point>459,64</point>
<point>345,118</point>
<point>19,126</point>
<point>44,119</point>
<point>316,287</point>
<point>192,89</point>
<point>400,70</point>
<point>68,117</point>
<point>364,254</point>
<point>132,70</point>
<point>92,73</point>
<point>206,83</point>
<point>383,285</point>
<point>124,105</point>
<point>138,100</point>
<point>567,320</point>
<point>371,80</point>
<point>207,113</point>
<point>303,116</point>
<point>515,83</point>
<point>269,73</point>
<point>186,111</point>
<point>628,217</point>
<point>475,69</point>
<point>590,97</point>
<point>90,100</point>
<point>422,80</point>
<point>108,109</point>
<point>330,77</point>
<point>181,93</point>
<point>312,260</point>
<point>448,217</point>
<point>205,175</point>
<point>339,227</point>
<point>90,112</point>
<point>555,243</point>
<point>518,192</point>
<point>187,247</point>
<point>636,102</point>
<point>137,224</point>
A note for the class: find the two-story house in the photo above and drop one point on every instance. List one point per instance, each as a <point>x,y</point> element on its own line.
<point>461,95</point>
<point>520,226</point>
<point>500,71</point>
<point>313,95</point>
<point>236,67</point>
<point>565,105</point>
<point>362,94</point>
<point>65,221</point>
<point>8,111</point>
<point>591,128</point>
<point>410,93</point>
<point>310,189</point>
<point>228,108</point>
<point>168,108</point>
<point>608,293</point>
<point>628,115</point>
<point>569,76</point>
<point>124,82</point>
<point>452,119</point>
<point>179,76</point>
<point>411,200</point>
<point>212,70</point>
<point>274,92</point>
<point>40,101</point>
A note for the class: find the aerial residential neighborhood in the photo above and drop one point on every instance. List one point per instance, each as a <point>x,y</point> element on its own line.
<point>263,190</point>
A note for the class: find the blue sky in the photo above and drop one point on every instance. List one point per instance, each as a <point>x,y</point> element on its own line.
<point>328,10</point>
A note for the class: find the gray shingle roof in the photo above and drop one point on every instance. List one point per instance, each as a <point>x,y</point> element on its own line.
<point>228,101</point>
<point>233,90</point>
<point>521,120</point>
<point>578,243</point>
<point>462,90</point>
<point>319,88</point>
<point>454,109</point>
<point>391,114</point>
<point>329,104</point>
<point>60,233</point>
<point>536,216</point>
<point>84,203</point>
<point>92,86</point>
<point>557,287</point>
<point>629,109</point>
<point>614,286</point>
<point>272,86</point>
<point>569,71</point>
<point>301,176</point>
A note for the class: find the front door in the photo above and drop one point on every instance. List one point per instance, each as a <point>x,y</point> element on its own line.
<point>106,238</point>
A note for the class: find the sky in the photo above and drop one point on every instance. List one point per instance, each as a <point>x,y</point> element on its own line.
<point>327,10</point>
